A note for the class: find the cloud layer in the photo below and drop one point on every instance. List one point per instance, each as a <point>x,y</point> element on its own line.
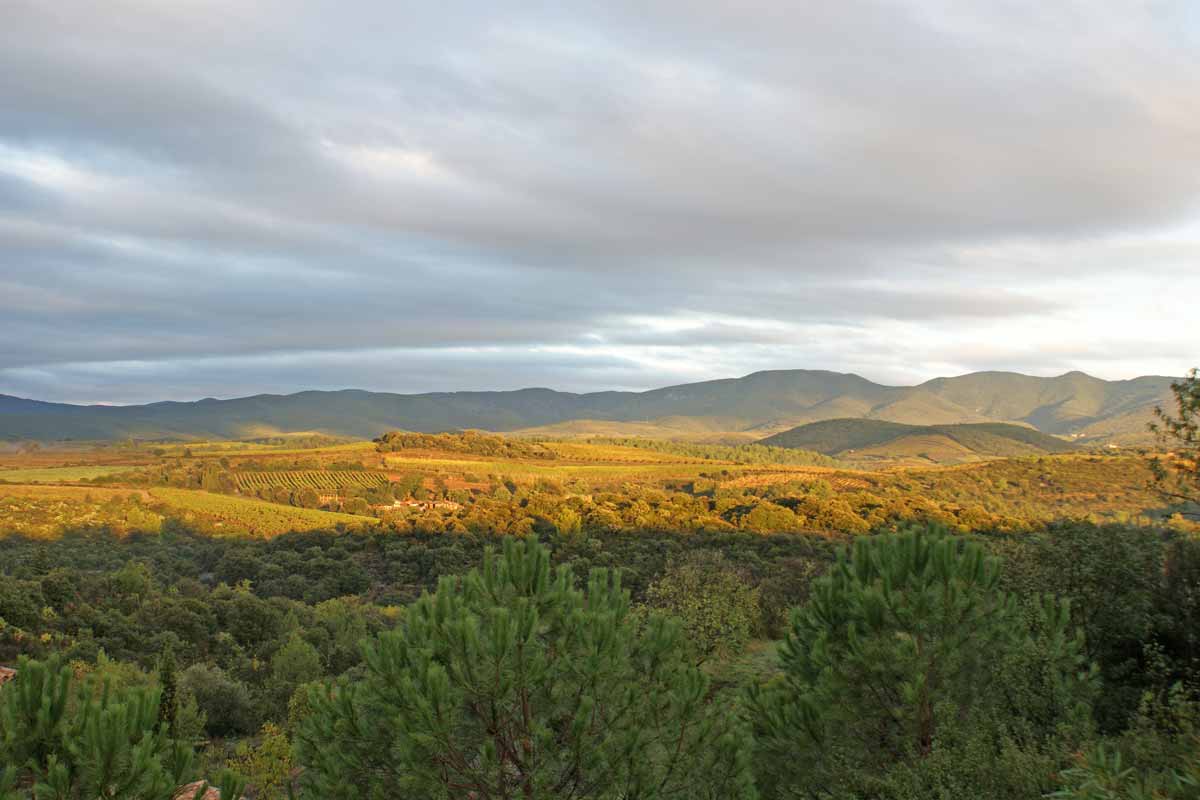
<point>221,198</point>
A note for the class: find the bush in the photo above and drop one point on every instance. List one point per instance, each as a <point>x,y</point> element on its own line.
<point>717,605</point>
<point>225,702</point>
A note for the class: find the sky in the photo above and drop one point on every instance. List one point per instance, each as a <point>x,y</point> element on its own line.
<point>226,198</point>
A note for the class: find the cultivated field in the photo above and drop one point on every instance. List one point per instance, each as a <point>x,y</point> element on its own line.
<point>321,480</point>
<point>59,474</point>
<point>236,514</point>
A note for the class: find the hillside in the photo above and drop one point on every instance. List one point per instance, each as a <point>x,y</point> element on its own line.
<point>738,408</point>
<point>865,439</point>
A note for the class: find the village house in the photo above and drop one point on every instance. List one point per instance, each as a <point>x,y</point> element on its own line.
<point>424,505</point>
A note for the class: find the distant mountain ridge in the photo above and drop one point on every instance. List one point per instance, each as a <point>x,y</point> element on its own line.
<point>868,439</point>
<point>758,404</point>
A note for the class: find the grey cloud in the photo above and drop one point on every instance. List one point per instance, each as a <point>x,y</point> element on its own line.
<point>273,179</point>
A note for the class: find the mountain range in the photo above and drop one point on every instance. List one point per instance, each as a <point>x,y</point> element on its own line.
<point>1074,405</point>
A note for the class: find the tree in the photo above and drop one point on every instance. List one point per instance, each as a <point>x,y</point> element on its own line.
<point>717,606</point>
<point>75,740</point>
<point>784,588</point>
<point>513,682</point>
<point>907,649</point>
<point>356,505</point>
<point>307,498</point>
<point>1179,479</point>
<point>168,701</point>
<point>295,663</point>
<point>344,621</point>
<point>1113,577</point>
<point>226,702</point>
<point>267,766</point>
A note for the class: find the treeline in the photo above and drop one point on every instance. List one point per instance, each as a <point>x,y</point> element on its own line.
<point>301,441</point>
<point>740,454</point>
<point>472,442</point>
<point>914,665</point>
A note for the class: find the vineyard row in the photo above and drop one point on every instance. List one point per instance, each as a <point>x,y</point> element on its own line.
<point>309,479</point>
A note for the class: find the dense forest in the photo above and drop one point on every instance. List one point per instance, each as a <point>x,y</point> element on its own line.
<point>1077,639</point>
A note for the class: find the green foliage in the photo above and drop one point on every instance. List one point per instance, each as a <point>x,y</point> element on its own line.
<point>1102,774</point>
<point>295,663</point>
<point>1112,577</point>
<point>226,702</point>
<point>787,587</point>
<point>79,741</point>
<point>1156,758</point>
<point>513,681</point>
<point>8,784</point>
<point>233,610</point>
<point>717,606</point>
<point>267,766</point>
<point>906,652</point>
<point>168,701</point>
<point>1178,477</point>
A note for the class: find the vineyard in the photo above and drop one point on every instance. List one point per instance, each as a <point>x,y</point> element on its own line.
<point>241,515</point>
<point>321,480</point>
<point>59,474</point>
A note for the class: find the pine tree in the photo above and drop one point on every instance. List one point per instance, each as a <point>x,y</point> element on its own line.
<point>168,703</point>
<point>8,784</point>
<point>514,683</point>
<point>81,741</point>
<point>1177,479</point>
<point>909,644</point>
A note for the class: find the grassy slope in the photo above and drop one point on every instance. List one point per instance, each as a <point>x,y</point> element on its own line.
<point>58,474</point>
<point>254,516</point>
<point>940,443</point>
<point>839,435</point>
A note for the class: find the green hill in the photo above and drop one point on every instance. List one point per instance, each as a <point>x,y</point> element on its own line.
<point>867,439</point>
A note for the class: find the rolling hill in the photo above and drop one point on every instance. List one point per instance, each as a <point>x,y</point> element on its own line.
<point>869,439</point>
<point>744,408</point>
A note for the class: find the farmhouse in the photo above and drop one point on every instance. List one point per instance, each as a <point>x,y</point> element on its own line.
<point>424,505</point>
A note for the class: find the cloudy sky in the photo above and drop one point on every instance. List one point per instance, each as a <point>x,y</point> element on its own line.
<point>223,198</point>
